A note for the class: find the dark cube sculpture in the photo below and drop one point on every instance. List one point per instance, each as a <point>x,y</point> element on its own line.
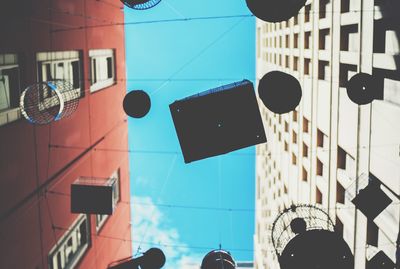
<point>93,196</point>
<point>218,121</point>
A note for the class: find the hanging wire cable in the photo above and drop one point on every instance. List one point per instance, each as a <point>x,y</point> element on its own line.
<point>223,17</point>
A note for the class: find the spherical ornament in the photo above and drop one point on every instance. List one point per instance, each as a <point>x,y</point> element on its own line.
<point>137,104</point>
<point>280,92</point>
<point>304,237</point>
<point>218,259</point>
<point>153,258</point>
<point>48,101</point>
<point>140,4</point>
<point>362,88</point>
<point>275,10</point>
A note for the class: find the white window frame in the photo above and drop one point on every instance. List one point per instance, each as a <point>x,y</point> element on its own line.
<point>99,78</point>
<point>62,249</point>
<point>54,59</point>
<point>10,114</point>
<point>100,219</point>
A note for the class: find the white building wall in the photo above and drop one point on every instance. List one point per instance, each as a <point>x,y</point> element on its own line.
<point>356,141</point>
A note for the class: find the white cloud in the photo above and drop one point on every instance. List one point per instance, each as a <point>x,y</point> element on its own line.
<point>149,225</point>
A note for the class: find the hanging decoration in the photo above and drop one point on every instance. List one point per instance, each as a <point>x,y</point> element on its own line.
<point>218,259</point>
<point>48,101</point>
<point>275,10</point>
<point>140,4</point>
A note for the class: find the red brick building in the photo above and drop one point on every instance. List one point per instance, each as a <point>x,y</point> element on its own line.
<point>57,39</point>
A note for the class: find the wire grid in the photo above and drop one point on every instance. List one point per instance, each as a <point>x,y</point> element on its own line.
<point>315,218</point>
<point>44,102</point>
<point>140,4</point>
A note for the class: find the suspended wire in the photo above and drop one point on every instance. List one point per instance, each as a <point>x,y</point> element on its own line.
<point>223,17</point>
<point>201,52</point>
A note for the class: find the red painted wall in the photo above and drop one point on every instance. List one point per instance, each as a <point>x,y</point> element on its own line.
<point>27,161</point>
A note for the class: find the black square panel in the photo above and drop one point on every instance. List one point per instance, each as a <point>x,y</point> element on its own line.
<point>371,201</point>
<point>380,261</point>
<point>218,121</point>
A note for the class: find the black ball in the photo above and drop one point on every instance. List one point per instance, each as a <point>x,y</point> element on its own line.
<point>137,104</point>
<point>362,88</point>
<point>153,258</point>
<point>280,92</point>
<point>275,10</point>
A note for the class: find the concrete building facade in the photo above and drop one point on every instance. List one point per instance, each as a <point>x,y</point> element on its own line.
<point>327,148</point>
<point>41,41</point>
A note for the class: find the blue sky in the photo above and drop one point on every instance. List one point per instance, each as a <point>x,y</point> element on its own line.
<point>200,55</point>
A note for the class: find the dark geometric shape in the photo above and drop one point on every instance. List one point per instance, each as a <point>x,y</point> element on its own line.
<point>371,201</point>
<point>92,196</point>
<point>218,259</point>
<point>218,121</point>
<point>275,10</point>
<point>140,4</point>
<point>317,249</point>
<point>137,104</point>
<point>280,92</point>
<point>154,258</point>
<point>380,261</point>
<point>363,88</point>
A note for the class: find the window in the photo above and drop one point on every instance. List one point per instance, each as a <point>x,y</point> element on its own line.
<point>101,219</point>
<point>372,234</point>
<point>307,40</point>
<point>305,150</point>
<point>341,158</point>
<point>294,159</point>
<point>102,69</point>
<point>295,115</point>
<point>9,88</point>
<point>65,65</point>
<point>320,139</point>
<point>324,39</point>
<point>318,196</point>
<point>286,147</point>
<point>307,63</point>
<point>307,13</point>
<point>296,41</point>
<point>340,193</point>
<point>322,8</point>
<point>294,137</point>
<point>72,245</point>
<point>296,63</point>
<point>305,125</point>
<point>320,168</point>
<point>304,175</point>
<point>323,70</point>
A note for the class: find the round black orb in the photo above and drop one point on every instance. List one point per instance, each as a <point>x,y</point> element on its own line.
<point>154,258</point>
<point>275,10</point>
<point>218,259</point>
<point>317,249</point>
<point>362,88</point>
<point>137,104</point>
<point>280,92</point>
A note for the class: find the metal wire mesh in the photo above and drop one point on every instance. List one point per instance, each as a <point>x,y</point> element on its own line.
<point>44,102</point>
<point>141,4</point>
<point>315,218</point>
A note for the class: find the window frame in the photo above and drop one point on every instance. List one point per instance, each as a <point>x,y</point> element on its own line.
<point>60,246</point>
<point>98,56</point>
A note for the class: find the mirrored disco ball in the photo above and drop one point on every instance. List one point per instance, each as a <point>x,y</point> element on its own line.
<point>314,217</point>
<point>140,4</point>
<point>48,101</point>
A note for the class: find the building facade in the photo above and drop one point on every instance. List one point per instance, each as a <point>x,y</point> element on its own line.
<point>67,40</point>
<point>328,147</point>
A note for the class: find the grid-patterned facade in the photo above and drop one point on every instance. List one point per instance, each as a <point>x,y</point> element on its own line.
<point>321,151</point>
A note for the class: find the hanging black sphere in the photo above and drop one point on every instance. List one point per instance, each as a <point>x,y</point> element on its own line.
<point>317,249</point>
<point>218,259</point>
<point>280,92</point>
<point>140,4</point>
<point>275,10</point>
<point>362,88</point>
<point>137,104</point>
<point>153,258</point>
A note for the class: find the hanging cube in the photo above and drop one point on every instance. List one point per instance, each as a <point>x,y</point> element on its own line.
<point>93,195</point>
<point>218,121</point>
<point>371,201</point>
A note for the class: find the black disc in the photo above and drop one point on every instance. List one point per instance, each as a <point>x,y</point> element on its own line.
<point>317,249</point>
<point>362,88</point>
<point>154,258</point>
<point>280,92</point>
<point>137,104</point>
<point>275,10</point>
